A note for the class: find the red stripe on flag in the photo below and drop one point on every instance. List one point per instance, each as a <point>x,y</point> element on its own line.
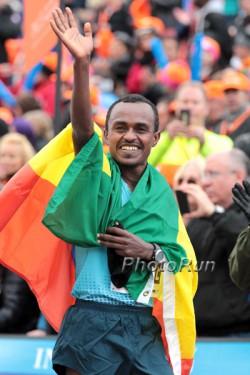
<point>29,248</point>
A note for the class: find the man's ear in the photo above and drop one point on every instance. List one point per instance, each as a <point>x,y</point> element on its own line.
<point>157,136</point>
<point>105,136</point>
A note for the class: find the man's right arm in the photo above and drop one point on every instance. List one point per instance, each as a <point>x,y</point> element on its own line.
<point>80,47</point>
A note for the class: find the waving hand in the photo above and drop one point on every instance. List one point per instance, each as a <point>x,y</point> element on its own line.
<point>65,28</point>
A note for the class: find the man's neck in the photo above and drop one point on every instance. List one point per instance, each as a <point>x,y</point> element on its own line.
<point>131,176</point>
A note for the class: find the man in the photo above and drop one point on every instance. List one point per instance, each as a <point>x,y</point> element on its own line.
<point>236,120</point>
<point>215,94</point>
<point>187,137</point>
<point>111,330</point>
<point>221,308</point>
<point>239,260</point>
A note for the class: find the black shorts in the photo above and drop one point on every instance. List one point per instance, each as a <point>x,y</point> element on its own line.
<point>97,338</point>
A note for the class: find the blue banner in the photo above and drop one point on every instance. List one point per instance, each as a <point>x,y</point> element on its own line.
<point>32,356</point>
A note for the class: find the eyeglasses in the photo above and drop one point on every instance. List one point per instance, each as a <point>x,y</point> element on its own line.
<point>190,180</point>
<point>214,174</point>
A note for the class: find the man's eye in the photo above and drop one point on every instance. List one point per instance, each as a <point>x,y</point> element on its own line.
<point>141,130</point>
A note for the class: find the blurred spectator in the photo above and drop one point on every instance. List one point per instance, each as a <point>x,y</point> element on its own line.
<point>18,306</point>
<point>243,143</point>
<point>171,45</point>
<point>25,101</point>
<point>241,49</point>
<point>44,88</point>
<point>116,14</point>
<point>148,34</point>
<point>221,308</point>
<point>183,141</point>
<point>237,116</point>
<point>216,101</point>
<point>22,126</point>
<point>191,172</point>
<point>10,27</point>
<point>120,59</point>
<point>165,111</point>
<point>208,18</point>
<point>15,151</point>
<point>42,127</point>
<point>164,10</point>
<point>210,56</point>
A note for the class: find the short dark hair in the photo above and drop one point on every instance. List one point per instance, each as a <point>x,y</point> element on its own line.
<point>134,98</point>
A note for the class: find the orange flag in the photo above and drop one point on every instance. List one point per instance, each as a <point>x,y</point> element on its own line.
<point>39,38</point>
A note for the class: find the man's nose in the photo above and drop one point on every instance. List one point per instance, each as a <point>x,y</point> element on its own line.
<point>205,181</point>
<point>130,135</point>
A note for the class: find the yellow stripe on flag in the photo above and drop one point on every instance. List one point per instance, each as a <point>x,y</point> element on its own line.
<point>53,160</point>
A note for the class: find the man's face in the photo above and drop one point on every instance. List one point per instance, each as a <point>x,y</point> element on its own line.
<point>130,134</point>
<point>235,99</point>
<point>216,109</point>
<point>219,178</point>
<point>192,98</point>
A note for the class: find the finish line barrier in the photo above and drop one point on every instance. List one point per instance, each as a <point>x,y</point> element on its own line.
<point>21,355</point>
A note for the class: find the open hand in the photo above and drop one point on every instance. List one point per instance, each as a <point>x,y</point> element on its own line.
<point>64,26</point>
<point>125,243</point>
<point>241,197</point>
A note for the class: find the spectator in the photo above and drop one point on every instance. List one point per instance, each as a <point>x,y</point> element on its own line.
<point>215,93</point>
<point>26,102</point>
<point>181,142</point>
<point>237,116</point>
<point>15,151</point>
<point>18,306</point>
<point>44,88</point>
<point>190,172</point>
<point>239,260</point>
<point>42,127</point>
<point>243,143</point>
<point>9,28</point>
<point>221,308</point>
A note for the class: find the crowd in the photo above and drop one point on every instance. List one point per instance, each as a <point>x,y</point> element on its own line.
<point>149,47</point>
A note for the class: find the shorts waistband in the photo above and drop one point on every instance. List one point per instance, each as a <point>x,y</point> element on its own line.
<point>121,309</point>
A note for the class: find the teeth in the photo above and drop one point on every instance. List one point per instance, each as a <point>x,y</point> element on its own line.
<point>130,148</point>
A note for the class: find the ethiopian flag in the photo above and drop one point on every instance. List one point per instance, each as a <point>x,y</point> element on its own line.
<point>26,246</point>
<point>84,194</point>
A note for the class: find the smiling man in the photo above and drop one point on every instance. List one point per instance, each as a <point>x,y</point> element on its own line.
<point>112,207</point>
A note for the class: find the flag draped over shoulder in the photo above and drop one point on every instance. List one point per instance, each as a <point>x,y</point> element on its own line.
<point>88,200</point>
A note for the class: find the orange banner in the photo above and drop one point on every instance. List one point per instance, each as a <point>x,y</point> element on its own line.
<point>39,38</point>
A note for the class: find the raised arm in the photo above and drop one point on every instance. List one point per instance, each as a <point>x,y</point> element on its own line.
<point>80,47</point>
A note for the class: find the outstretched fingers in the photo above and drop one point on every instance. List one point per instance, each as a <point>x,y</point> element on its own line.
<point>59,20</point>
<point>70,17</point>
